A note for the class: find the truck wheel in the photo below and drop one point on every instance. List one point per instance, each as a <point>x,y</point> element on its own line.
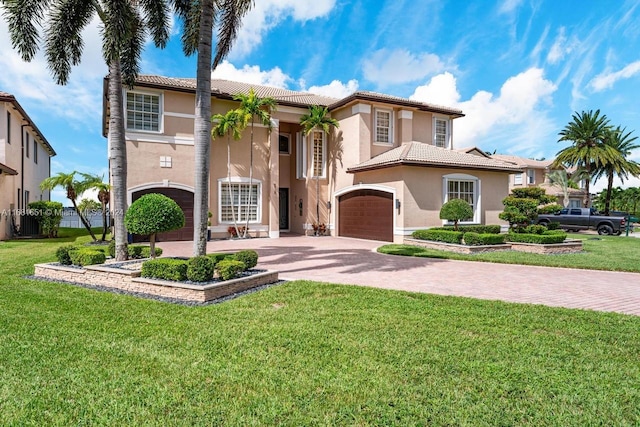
<point>605,230</point>
<point>617,233</point>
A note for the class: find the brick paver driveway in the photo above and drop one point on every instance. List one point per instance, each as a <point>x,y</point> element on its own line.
<point>354,261</point>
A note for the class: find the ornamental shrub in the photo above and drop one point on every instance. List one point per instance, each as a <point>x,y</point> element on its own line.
<point>543,239</point>
<point>553,226</point>
<point>62,253</point>
<point>476,239</point>
<point>535,229</point>
<point>49,215</point>
<point>456,210</point>
<point>112,248</point>
<point>200,269</point>
<point>142,251</point>
<point>551,209</point>
<point>248,257</point>
<point>87,256</point>
<point>229,268</point>
<point>445,236</point>
<point>152,214</point>
<point>481,229</point>
<point>166,269</point>
<point>217,257</point>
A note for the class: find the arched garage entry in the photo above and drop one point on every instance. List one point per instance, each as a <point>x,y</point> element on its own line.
<point>366,214</point>
<point>184,199</point>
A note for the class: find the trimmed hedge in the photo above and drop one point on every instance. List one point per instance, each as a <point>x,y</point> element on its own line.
<point>200,269</point>
<point>446,236</point>
<point>112,248</point>
<point>87,256</point>
<point>62,253</point>
<point>229,268</point>
<point>217,257</point>
<point>141,251</point>
<point>480,229</point>
<point>165,268</point>
<point>476,239</point>
<point>543,239</point>
<point>248,257</point>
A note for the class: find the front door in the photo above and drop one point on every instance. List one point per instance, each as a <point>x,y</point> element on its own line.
<point>284,209</point>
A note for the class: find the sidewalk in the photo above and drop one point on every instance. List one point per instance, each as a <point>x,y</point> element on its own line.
<point>353,261</point>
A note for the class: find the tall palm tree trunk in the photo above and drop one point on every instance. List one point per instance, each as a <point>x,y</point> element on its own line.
<point>104,220</point>
<point>118,158</point>
<point>246,228</point>
<point>587,186</point>
<point>202,130</point>
<point>233,205</point>
<point>83,219</point>
<point>607,200</point>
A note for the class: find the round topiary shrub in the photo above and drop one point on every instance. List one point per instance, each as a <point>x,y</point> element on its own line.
<point>200,269</point>
<point>229,268</point>
<point>151,214</point>
<point>456,210</point>
<point>62,253</point>
<point>248,257</point>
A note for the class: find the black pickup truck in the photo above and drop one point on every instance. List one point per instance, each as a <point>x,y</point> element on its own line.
<point>585,219</point>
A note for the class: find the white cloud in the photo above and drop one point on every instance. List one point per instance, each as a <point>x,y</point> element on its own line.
<point>607,79</point>
<point>335,89</point>
<point>266,14</point>
<point>513,116</point>
<point>251,74</point>
<point>561,47</point>
<point>509,6</point>
<point>388,67</point>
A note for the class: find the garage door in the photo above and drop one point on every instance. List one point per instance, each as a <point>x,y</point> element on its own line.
<point>366,214</point>
<point>184,199</point>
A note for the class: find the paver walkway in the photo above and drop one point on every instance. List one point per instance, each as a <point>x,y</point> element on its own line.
<point>354,261</point>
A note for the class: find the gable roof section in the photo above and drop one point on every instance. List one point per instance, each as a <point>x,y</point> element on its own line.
<point>4,169</point>
<point>395,100</point>
<point>523,162</point>
<point>421,154</point>
<point>7,97</point>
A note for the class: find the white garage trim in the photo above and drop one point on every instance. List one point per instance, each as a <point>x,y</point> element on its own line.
<point>163,184</point>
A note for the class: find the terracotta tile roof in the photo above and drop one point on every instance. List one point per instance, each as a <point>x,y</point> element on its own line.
<point>422,154</point>
<point>396,100</point>
<point>7,97</point>
<point>523,162</point>
<point>6,169</point>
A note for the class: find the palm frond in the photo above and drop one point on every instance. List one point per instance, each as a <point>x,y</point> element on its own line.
<point>230,14</point>
<point>156,18</point>
<point>24,18</point>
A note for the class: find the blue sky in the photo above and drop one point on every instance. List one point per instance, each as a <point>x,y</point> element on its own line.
<point>518,69</point>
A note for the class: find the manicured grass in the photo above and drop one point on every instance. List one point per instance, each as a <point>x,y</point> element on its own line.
<point>614,253</point>
<point>304,353</point>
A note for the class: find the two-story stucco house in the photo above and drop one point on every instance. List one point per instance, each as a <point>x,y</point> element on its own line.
<point>383,173</point>
<point>25,160</point>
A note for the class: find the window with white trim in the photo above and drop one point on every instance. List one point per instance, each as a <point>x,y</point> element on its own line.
<point>517,179</point>
<point>465,187</point>
<point>531,176</point>
<point>235,201</point>
<point>143,112</point>
<point>165,161</point>
<point>301,156</point>
<point>440,132</point>
<point>319,150</point>
<point>383,126</point>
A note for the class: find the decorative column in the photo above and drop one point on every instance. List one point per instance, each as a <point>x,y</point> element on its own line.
<point>274,180</point>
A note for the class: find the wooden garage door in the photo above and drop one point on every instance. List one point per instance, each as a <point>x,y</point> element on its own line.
<point>366,214</point>
<point>184,199</point>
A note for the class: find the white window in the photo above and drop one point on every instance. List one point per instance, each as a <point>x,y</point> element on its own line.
<point>143,111</point>
<point>440,132</point>
<point>236,202</point>
<point>465,187</point>
<point>319,150</point>
<point>517,179</point>
<point>284,145</point>
<point>301,156</point>
<point>531,176</point>
<point>165,161</point>
<point>384,126</point>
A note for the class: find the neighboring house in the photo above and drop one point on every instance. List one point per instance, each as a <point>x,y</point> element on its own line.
<point>535,174</point>
<point>25,160</point>
<point>385,172</point>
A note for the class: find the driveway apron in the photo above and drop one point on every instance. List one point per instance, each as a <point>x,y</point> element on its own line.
<point>355,262</point>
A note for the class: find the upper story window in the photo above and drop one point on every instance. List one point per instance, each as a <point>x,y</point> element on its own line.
<point>143,111</point>
<point>284,143</point>
<point>35,151</point>
<point>383,126</point>
<point>517,179</point>
<point>26,145</point>
<point>8,127</point>
<point>319,149</point>
<point>441,132</point>
<point>531,176</point>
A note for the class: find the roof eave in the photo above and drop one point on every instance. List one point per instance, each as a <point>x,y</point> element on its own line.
<point>431,165</point>
<point>417,105</point>
<point>11,99</point>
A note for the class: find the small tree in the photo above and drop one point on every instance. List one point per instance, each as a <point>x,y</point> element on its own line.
<point>49,215</point>
<point>521,207</point>
<point>152,214</point>
<point>87,207</point>
<point>456,210</point>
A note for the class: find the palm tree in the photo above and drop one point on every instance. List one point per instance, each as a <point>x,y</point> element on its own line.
<point>229,124</point>
<point>317,120</point>
<point>252,107</point>
<point>622,144</point>
<point>199,17</point>
<point>560,178</point>
<point>74,189</point>
<point>125,24</point>
<point>104,195</point>
<point>587,131</point>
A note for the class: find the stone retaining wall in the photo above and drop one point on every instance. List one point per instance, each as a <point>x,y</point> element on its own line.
<point>130,281</point>
<point>566,247</point>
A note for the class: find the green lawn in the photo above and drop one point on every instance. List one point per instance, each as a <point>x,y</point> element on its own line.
<point>304,353</point>
<point>615,253</point>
